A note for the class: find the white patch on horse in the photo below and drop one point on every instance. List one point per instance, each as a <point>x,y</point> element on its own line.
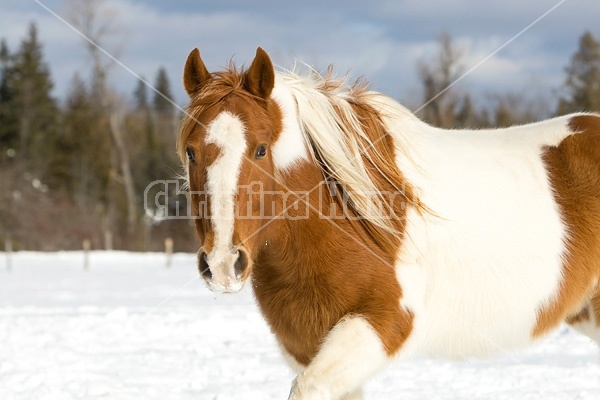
<point>477,270</point>
<point>227,132</point>
<point>290,147</point>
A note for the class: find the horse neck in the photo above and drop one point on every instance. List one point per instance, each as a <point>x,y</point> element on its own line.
<point>304,241</point>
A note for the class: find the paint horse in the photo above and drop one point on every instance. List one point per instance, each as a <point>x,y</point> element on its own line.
<point>369,235</point>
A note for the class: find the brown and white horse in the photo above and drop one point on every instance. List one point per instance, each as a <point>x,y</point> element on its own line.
<point>371,236</point>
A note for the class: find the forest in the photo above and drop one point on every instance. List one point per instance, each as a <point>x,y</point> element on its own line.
<point>77,168</point>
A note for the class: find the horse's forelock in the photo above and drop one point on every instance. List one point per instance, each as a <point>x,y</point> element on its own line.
<point>222,84</point>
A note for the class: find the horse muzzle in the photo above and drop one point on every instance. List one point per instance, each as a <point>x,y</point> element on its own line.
<point>224,272</point>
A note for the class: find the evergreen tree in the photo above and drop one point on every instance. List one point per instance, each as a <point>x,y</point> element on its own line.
<point>165,123</point>
<point>163,96</point>
<point>31,101</point>
<point>582,83</point>
<point>8,119</point>
<point>142,130</point>
<point>67,146</point>
<point>140,95</point>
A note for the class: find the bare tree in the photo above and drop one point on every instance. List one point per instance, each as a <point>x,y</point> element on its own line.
<point>437,74</point>
<point>97,23</point>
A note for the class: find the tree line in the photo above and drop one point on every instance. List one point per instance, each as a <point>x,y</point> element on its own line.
<point>449,108</point>
<point>77,168</point>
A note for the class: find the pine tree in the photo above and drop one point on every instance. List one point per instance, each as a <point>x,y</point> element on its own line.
<point>142,130</point>
<point>165,124</point>
<point>31,102</point>
<point>140,95</point>
<point>163,97</point>
<point>582,84</point>
<point>79,165</point>
<point>8,119</point>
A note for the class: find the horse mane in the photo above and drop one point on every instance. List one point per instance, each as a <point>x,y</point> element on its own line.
<point>346,136</point>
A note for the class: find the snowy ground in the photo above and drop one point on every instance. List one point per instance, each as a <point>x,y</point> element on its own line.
<point>129,328</point>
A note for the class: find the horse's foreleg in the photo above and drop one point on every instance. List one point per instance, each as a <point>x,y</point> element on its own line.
<point>587,321</point>
<point>351,353</point>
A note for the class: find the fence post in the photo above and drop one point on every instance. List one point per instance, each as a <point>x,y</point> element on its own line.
<point>8,248</point>
<point>86,253</point>
<point>169,251</point>
<point>108,240</point>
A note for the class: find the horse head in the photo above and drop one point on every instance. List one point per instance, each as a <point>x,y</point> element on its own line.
<point>226,142</point>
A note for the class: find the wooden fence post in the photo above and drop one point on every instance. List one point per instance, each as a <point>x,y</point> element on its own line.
<point>108,240</point>
<point>8,248</point>
<point>169,251</point>
<point>86,253</point>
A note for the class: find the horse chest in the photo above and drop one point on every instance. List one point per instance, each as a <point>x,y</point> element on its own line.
<point>299,315</point>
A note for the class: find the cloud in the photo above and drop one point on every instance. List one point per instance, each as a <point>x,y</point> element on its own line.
<point>381,40</point>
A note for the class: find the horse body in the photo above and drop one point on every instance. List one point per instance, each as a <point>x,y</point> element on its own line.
<point>490,239</point>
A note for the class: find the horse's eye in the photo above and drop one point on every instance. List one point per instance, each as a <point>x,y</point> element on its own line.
<point>190,154</point>
<point>261,151</point>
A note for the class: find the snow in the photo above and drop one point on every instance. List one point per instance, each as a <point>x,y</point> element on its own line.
<point>129,327</point>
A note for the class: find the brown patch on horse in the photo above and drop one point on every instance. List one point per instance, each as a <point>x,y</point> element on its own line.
<point>574,171</point>
<point>316,271</point>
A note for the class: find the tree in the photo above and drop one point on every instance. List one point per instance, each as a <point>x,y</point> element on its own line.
<point>165,125</point>
<point>582,84</point>
<point>140,95</point>
<point>96,22</point>
<point>437,75</point>
<point>80,166</point>
<point>162,96</point>
<point>164,112</point>
<point>466,115</point>
<point>29,87</point>
<point>8,119</point>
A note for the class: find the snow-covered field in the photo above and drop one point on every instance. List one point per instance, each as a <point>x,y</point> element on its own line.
<point>129,328</point>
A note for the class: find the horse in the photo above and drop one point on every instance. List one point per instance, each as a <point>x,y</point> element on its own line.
<point>370,236</point>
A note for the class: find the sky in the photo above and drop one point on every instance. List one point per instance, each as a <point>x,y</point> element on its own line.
<point>382,40</point>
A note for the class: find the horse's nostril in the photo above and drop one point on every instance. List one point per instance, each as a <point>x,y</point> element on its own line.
<point>241,263</point>
<point>204,268</point>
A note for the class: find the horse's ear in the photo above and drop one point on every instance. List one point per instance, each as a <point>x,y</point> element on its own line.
<point>260,78</point>
<point>195,74</point>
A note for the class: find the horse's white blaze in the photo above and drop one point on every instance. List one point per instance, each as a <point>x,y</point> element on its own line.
<point>290,147</point>
<point>227,132</point>
<point>477,271</point>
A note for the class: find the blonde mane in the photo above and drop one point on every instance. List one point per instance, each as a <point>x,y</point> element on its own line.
<point>346,136</point>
